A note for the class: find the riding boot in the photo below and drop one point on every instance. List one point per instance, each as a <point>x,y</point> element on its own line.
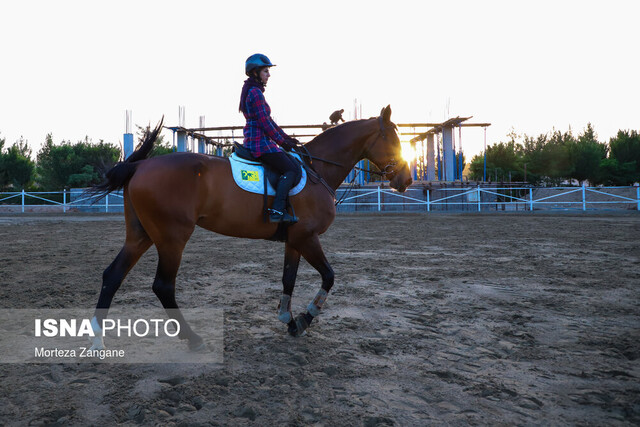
<point>278,211</point>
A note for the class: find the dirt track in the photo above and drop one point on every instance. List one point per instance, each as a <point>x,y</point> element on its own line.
<point>460,319</point>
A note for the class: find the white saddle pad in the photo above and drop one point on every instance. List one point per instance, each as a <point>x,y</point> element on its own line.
<point>250,175</point>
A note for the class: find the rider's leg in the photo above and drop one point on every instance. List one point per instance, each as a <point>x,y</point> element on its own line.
<point>288,176</point>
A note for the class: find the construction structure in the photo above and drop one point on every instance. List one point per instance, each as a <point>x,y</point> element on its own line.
<point>439,155</point>
<point>441,139</point>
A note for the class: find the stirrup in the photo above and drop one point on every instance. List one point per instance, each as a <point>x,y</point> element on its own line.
<point>277,216</point>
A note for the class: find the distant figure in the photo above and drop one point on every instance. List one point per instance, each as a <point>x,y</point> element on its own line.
<point>336,116</point>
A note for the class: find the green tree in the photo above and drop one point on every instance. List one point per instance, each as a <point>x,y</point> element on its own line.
<point>17,170</point>
<point>587,154</point>
<point>504,160</point>
<point>74,165</point>
<point>533,160</point>
<point>625,149</point>
<point>613,172</point>
<point>555,157</point>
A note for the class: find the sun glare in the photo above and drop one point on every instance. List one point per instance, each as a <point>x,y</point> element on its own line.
<point>408,152</point>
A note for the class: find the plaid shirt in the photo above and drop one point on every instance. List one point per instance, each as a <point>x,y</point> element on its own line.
<point>261,134</point>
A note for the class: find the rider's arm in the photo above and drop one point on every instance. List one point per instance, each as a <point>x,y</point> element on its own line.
<point>266,123</point>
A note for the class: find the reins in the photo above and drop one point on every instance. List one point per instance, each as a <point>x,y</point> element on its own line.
<point>312,158</point>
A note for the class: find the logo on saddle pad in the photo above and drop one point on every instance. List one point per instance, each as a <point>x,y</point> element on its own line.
<point>249,176</point>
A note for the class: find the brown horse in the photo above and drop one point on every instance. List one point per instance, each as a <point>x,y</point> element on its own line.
<point>165,197</point>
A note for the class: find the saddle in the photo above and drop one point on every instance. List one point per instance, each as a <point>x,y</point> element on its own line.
<point>272,175</point>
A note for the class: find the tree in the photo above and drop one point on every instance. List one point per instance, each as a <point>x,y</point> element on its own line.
<point>625,149</point>
<point>74,165</point>
<point>587,154</point>
<point>613,172</point>
<point>555,157</point>
<point>504,160</point>
<point>17,170</point>
<point>532,157</point>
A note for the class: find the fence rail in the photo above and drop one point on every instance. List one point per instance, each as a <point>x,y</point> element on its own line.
<point>380,198</point>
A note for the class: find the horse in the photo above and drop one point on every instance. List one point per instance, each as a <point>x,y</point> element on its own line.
<point>166,197</point>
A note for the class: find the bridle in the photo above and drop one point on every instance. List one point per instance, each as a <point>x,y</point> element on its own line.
<point>389,171</point>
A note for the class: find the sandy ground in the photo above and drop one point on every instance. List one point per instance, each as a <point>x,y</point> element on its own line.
<point>455,319</point>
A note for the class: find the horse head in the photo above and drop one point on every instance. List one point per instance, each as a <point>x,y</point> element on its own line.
<point>386,153</point>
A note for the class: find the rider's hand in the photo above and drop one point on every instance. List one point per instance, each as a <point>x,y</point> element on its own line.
<point>289,144</point>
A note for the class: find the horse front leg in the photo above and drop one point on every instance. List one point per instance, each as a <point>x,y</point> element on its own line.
<point>289,274</point>
<point>313,253</point>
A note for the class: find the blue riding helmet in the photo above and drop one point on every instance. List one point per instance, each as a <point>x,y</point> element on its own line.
<point>256,60</point>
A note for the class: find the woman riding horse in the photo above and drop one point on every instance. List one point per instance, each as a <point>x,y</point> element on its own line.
<point>262,136</point>
<point>166,197</point>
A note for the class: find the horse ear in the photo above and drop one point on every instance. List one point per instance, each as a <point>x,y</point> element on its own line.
<point>386,114</point>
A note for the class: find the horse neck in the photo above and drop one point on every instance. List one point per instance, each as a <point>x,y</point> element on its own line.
<point>345,144</point>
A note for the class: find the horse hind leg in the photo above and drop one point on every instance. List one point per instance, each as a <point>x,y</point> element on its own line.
<point>136,244</point>
<point>164,286</point>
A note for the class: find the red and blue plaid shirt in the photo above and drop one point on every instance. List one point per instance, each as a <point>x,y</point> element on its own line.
<point>261,133</point>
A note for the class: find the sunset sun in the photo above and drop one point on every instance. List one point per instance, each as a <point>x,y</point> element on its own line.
<point>408,152</point>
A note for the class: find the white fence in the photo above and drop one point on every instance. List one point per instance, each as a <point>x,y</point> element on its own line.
<point>74,200</point>
<point>487,198</point>
<point>417,198</point>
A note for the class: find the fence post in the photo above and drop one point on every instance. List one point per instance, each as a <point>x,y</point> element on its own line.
<point>23,200</point>
<point>428,201</point>
<point>479,204</point>
<point>379,207</point>
<point>64,200</point>
<point>531,199</point>
<point>584,197</point>
<point>106,203</point>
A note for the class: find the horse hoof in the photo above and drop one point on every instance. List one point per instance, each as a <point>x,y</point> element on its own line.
<point>292,329</point>
<point>298,326</point>
<point>197,344</point>
<point>97,343</point>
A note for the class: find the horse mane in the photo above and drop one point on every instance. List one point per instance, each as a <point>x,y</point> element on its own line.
<point>335,131</point>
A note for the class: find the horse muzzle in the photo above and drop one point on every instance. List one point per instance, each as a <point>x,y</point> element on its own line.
<point>402,179</point>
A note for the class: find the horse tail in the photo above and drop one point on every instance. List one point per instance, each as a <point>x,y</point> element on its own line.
<point>119,175</point>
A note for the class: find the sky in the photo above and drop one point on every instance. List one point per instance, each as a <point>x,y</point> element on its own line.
<point>72,68</point>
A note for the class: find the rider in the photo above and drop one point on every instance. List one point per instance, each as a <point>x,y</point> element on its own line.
<point>264,138</point>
